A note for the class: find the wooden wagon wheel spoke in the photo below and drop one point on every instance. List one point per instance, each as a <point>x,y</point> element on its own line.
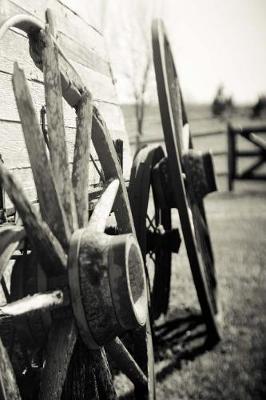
<point>62,339</point>
<point>80,172</point>
<point>50,205</point>
<point>98,219</point>
<point>8,385</point>
<point>56,128</point>
<point>10,238</point>
<point>52,256</point>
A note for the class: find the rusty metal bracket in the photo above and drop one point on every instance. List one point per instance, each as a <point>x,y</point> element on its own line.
<point>170,240</point>
<point>162,184</point>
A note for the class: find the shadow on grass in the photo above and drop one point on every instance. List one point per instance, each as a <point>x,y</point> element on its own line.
<point>178,339</point>
<point>181,337</point>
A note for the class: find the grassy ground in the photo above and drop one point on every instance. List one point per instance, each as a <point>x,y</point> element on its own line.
<point>235,369</point>
<point>187,369</point>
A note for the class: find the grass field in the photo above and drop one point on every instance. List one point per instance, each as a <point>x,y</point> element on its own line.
<point>235,368</point>
<point>187,369</point>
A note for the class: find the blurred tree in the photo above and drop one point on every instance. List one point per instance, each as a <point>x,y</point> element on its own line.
<point>259,107</point>
<point>132,38</point>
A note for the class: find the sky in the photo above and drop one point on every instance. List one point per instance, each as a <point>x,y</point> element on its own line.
<point>214,42</point>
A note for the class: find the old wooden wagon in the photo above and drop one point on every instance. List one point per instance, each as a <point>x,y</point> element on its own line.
<point>77,231</point>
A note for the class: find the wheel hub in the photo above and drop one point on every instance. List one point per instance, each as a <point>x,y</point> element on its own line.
<point>107,285</point>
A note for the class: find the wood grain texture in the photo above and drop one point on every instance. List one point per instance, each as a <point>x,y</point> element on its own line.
<point>61,342</point>
<point>75,51</point>
<point>10,238</point>
<point>103,208</point>
<point>8,386</point>
<point>67,21</point>
<point>80,378</point>
<point>80,171</point>
<point>56,130</point>
<point>8,110</point>
<point>126,362</point>
<point>31,304</point>
<point>90,12</point>
<point>50,206</point>
<point>103,375</point>
<point>51,254</point>
<point>111,167</point>
<point>89,58</point>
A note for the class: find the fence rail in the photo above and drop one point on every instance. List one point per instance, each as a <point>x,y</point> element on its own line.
<point>222,160</point>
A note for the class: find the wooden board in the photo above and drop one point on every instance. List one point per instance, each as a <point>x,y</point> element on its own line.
<point>78,33</point>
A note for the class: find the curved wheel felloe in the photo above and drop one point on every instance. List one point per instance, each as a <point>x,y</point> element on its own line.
<point>152,218</point>
<point>188,190</point>
<point>75,291</point>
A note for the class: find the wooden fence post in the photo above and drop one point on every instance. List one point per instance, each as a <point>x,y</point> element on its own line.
<point>231,143</point>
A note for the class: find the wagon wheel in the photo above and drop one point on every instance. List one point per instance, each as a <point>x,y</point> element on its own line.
<point>191,175</point>
<point>152,219</point>
<point>87,288</point>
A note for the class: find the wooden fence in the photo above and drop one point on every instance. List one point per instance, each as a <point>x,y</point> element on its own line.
<point>207,132</point>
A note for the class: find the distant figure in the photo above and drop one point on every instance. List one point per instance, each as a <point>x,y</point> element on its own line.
<point>259,108</point>
<point>221,104</point>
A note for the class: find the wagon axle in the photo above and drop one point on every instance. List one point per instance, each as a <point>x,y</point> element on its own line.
<point>169,240</point>
<point>198,176</point>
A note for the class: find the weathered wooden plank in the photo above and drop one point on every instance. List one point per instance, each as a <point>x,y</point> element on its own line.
<point>24,176</point>
<point>13,148</point>
<point>14,46</point>
<point>66,21</point>
<point>72,49</point>
<point>94,80</point>
<point>8,109</point>
<point>90,11</point>
<point>14,151</point>
<point>82,55</point>
<point>51,254</point>
<point>101,88</point>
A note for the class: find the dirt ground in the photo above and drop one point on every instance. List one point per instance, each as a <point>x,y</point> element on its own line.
<point>236,368</point>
